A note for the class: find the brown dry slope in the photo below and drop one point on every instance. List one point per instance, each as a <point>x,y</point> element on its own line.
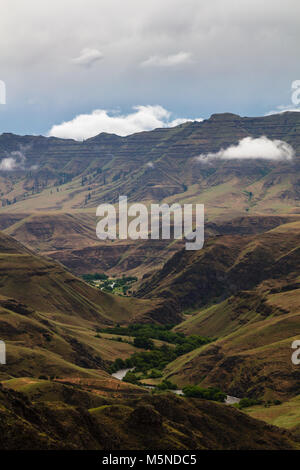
<point>71,239</point>
<point>243,291</point>
<point>164,422</point>
<point>48,317</point>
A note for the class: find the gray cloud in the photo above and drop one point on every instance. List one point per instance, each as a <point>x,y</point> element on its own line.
<point>243,57</point>
<point>87,57</point>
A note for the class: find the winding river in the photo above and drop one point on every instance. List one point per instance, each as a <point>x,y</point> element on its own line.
<point>120,374</point>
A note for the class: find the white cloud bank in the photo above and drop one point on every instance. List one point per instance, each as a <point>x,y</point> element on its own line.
<point>283,108</point>
<point>87,57</point>
<point>142,118</point>
<point>171,60</point>
<point>251,148</point>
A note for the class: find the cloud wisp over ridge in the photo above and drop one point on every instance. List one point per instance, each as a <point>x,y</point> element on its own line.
<point>250,148</point>
<point>142,118</point>
<point>283,108</point>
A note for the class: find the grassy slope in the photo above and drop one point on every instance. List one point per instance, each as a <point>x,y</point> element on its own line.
<point>226,266</point>
<point>254,328</point>
<point>286,415</point>
<point>255,360</point>
<point>71,239</point>
<point>56,291</point>
<point>48,318</point>
<point>151,422</point>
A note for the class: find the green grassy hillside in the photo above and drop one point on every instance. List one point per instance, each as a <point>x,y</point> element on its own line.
<point>285,415</point>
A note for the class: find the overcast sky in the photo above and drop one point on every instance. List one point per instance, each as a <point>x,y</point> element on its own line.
<point>127,65</point>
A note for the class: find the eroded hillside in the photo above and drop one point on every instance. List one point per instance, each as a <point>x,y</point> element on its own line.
<point>244,292</point>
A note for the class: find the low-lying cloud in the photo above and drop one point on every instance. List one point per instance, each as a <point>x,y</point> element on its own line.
<point>251,148</point>
<point>142,118</point>
<point>171,60</point>
<point>8,164</point>
<point>16,161</point>
<point>87,57</point>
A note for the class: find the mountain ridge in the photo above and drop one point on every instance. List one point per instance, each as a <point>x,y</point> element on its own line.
<point>150,165</point>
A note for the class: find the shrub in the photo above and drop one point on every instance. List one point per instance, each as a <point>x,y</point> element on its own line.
<point>143,342</point>
<point>211,393</point>
<point>130,377</point>
<point>246,402</point>
<point>166,385</point>
<point>156,357</point>
<point>117,365</point>
<point>154,374</point>
<point>43,377</point>
<point>95,277</point>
